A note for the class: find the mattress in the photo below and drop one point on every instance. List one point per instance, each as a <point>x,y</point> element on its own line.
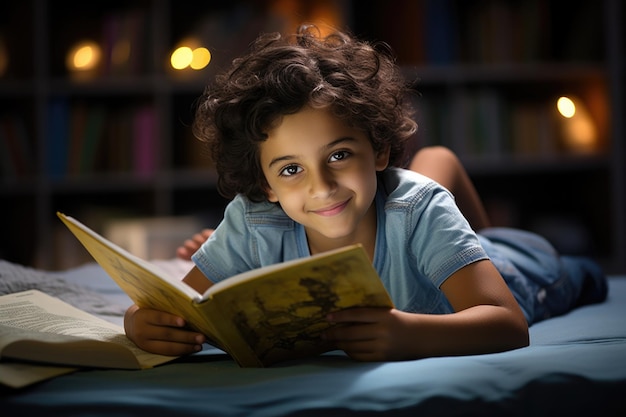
<point>575,365</point>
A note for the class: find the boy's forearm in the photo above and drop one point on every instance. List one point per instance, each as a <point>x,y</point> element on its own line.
<point>476,330</point>
<point>375,334</point>
<point>197,280</point>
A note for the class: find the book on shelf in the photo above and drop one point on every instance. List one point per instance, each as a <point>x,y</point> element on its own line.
<point>37,329</point>
<point>477,123</point>
<point>505,32</point>
<point>260,317</point>
<point>441,42</point>
<point>57,138</point>
<point>484,123</point>
<point>117,155</point>
<point>77,123</point>
<point>87,138</point>
<point>93,138</point>
<point>87,127</point>
<point>17,148</point>
<point>145,142</point>
<point>533,130</point>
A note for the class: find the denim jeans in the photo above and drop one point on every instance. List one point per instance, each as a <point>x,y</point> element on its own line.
<point>545,283</point>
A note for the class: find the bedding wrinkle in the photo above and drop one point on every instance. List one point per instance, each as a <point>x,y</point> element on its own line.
<point>16,278</point>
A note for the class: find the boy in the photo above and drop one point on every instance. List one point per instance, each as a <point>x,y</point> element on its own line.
<point>306,133</point>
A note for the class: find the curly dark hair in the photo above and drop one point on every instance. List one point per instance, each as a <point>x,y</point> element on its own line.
<point>357,81</point>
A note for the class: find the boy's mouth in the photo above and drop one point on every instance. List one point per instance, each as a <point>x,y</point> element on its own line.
<point>332,210</point>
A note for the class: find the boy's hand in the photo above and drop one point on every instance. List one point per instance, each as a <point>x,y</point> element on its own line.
<point>370,334</point>
<point>161,333</point>
<point>191,245</point>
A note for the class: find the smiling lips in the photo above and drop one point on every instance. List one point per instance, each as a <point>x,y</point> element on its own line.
<point>332,210</point>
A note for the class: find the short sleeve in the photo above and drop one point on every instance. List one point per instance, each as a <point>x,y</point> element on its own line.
<point>442,240</point>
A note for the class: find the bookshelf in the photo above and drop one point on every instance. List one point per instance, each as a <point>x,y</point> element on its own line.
<point>116,142</point>
<point>489,74</point>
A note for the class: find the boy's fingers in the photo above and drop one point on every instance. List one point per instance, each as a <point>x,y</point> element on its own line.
<point>161,318</point>
<point>174,335</point>
<point>170,348</point>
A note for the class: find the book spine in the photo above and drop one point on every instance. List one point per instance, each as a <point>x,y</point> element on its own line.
<point>57,142</point>
<point>441,38</point>
<point>145,144</point>
<point>77,137</point>
<point>94,131</point>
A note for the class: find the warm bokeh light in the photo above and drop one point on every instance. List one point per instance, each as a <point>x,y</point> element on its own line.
<point>324,14</point>
<point>188,56</point>
<point>181,57</point>
<point>84,56</point>
<point>580,133</point>
<point>566,107</point>
<point>201,58</point>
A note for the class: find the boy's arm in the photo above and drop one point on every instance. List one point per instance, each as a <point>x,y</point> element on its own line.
<point>197,280</point>
<point>487,319</point>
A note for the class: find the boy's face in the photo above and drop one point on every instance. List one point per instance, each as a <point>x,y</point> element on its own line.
<point>323,174</point>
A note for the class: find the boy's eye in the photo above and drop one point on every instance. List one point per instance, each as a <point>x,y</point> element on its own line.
<point>290,170</point>
<point>338,156</point>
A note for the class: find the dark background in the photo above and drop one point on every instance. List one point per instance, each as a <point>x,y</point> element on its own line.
<point>487,74</point>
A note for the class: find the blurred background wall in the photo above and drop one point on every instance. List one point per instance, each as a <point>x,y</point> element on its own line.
<point>96,102</point>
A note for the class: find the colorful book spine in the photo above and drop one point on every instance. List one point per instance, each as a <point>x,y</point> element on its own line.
<point>145,143</point>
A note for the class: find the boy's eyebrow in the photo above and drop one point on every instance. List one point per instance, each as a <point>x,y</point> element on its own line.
<point>325,147</point>
<point>280,159</point>
<point>339,141</point>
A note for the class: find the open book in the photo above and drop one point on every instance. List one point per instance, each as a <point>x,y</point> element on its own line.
<point>260,317</point>
<point>38,328</point>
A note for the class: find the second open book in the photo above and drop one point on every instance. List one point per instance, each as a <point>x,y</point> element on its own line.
<point>260,317</point>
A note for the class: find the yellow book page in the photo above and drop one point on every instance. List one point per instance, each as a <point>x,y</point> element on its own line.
<point>281,314</point>
<point>145,284</point>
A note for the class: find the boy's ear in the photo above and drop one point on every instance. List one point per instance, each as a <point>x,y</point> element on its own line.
<point>269,193</point>
<point>382,158</point>
<point>271,197</point>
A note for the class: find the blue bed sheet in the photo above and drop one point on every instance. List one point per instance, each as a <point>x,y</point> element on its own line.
<point>575,365</point>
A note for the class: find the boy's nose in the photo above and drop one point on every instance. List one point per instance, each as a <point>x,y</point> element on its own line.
<point>321,183</point>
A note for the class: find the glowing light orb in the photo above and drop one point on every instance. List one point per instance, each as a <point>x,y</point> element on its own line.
<point>201,58</point>
<point>181,57</point>
<point>84,56</point>
<point>566,107</point>
<point>189,56</point>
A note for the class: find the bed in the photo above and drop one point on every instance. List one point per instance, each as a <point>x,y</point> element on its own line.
<point>575,366</point>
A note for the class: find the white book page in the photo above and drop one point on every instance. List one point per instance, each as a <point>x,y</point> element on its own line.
<point>38,316</point>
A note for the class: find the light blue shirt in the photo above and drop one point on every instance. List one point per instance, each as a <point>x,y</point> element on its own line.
<point>421,240</point>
